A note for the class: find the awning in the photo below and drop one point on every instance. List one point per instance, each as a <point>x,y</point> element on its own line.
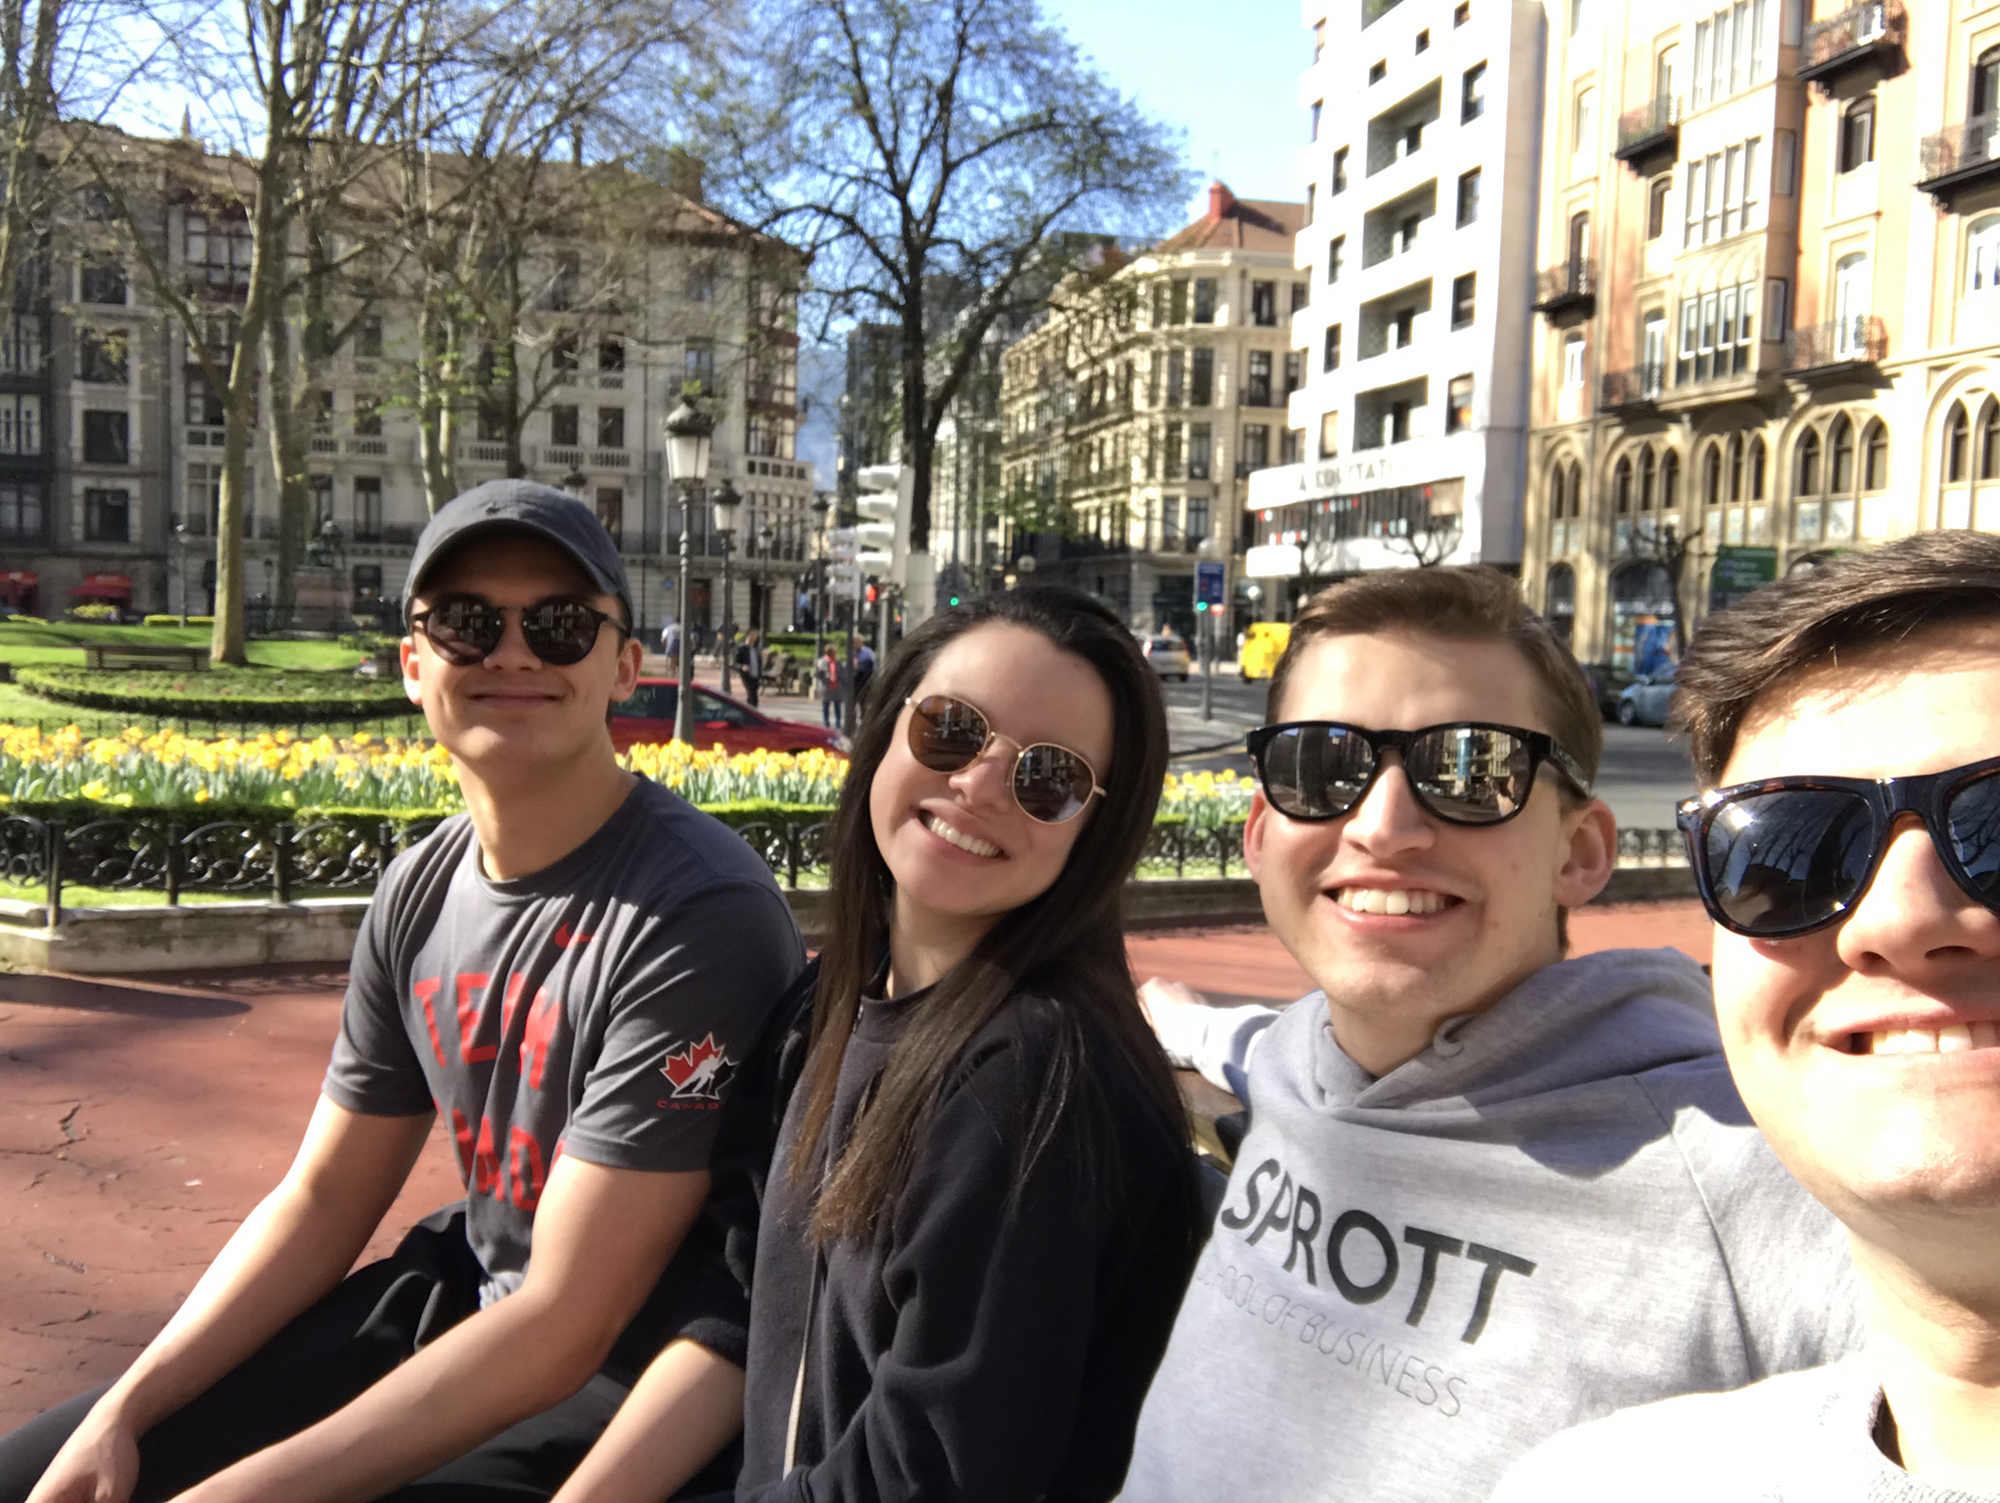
<point>19,579</point>
<point>104,587</point>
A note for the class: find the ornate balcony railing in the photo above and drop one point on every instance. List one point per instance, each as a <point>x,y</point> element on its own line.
<point>1860,34</point>
<point>1960,158</point>
<point>1568,288</point>
<point>1859,339</point>
<point>1652,127</point>
<point>1636,387</point>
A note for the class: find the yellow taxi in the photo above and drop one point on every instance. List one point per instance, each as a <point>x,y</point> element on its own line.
<point>1263,644</point>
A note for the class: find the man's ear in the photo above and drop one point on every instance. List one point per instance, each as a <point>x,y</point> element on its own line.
<point>629,657</point>
<point>1253,835</point>
<point>1589,852</point>
<point>406,652</point>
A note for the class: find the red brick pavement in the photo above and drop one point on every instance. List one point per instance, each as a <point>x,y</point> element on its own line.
<point>141,1119</point>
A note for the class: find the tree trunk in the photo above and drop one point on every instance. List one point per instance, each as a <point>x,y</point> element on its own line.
<point>290,437</point>
<point>919,435</point>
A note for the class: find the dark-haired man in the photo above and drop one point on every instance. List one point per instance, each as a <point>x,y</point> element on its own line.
<point>566,977</point>
<point>1846,728</point>
<point>1486,1191</point>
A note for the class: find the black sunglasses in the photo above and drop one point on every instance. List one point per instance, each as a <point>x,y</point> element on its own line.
<point>1783,857</point>
<point>1464,773</point>
<point>465,630</point>
<point>1051,783</point>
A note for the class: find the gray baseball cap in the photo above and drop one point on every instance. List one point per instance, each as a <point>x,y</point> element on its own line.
<point>524,506</point>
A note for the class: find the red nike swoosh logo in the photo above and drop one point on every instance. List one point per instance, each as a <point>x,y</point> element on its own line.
<point>565,936</point>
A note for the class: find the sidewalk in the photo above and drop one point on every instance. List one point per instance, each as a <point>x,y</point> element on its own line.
<point>141,1120</point>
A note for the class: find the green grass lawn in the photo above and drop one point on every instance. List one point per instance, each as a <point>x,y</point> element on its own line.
<point>63,642</point>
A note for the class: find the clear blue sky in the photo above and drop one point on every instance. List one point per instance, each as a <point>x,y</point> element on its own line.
<point>1226,73</point>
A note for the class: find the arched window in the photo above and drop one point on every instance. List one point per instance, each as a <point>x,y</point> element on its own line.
<point>1670,480</point>
<point>1559,493</point>
<point>1757,469</point>
<point>1579,245</point>
<point>1808,463</point>
<point>1857,134</point>
<point>1735,468</point>
<point>1875,457</point>
<point>1989,441</point>
<point>1840,443</point>
<point>1711,476</point>
<point>1986,83</point>
<point>1621,487</point>
<point>1957,436</point>
<point>1646,478</point>
<point>1982,254</point>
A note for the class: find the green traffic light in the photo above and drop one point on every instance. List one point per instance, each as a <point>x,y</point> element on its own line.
<point>954,600</point>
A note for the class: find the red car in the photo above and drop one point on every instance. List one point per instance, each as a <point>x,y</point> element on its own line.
<point>648,716</point>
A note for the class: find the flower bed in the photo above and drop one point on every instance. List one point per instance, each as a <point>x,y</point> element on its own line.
<point>235,694</point>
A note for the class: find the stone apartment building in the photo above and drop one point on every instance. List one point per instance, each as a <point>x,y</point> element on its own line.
<point>1418,251</point>
<point>1136,409</point>
<point>110,440</point>
<point>1774,237</point>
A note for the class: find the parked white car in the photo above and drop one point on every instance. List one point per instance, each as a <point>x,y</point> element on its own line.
<point>1644,700</point>
<point>1168,655</point>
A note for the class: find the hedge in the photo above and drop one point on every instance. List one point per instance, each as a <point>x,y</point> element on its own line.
<point>246,695</point>
<point>176,621</point>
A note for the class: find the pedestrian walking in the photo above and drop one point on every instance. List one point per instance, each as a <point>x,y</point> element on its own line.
<point>670,642</point>
<point>826,683</point>
<point>864,670</point>
<point>750,664</point>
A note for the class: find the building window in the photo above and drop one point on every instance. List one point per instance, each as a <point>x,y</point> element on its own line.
<point>1336,252</point>
<point>1840,442</point>
<point>1583,122</point>
<point>1332,359</point>
<point>1200,451</point>
<point>1204,300</point>
<point>611,427</point>
<point>1989,447</point>
<point>1875,451</point>
<point>1472,93</point>
<point>1468,197</point>
<point>1461,13</point>
<point>102,282</point>
<point>1175,438</point>
<point>1721,194</point>
<point>1197,518</point>
<point>101,358</point>
<point>367,508</point>
<point>1295,371</point>
<point>1405,322</point>
<point>1264,304</point>
<point>23,518</point>
<point>202,406</point>
<point>1656,206</point>
<point>107,438</point>
<point>21,344</point>
<point>1340,170</point>
<point>1406,233</point>
<point>1458,405</point>
<point>1256,445</point>
<point>367,415</point>
<point>611,511</point>
<point>1462,300</point>
<point>368,339</point>
<point>1318,108</point>
<point>1399,421</point>
<point>367,582</point>
<point>563,426</point>
<point>701,282</point>
<point>1312,202</point>
<point>1378,70</point>
<point>1319,39</point>
<point>20,423</point>
<point>1257,391</point>
<point>1423,41</point>
<point>1573,362</point>
<point>1857,134</point>
<point>1301,295</point>
<point>1785,163</point>
<point>611,354</point>
<point>217,252</point>
<point>1957,436</point>
<point>1177,301</point>
<point>698,367</point>
<point>1982,254</point>
<point>1329,435</point>
<point>1201,379</point>
<point>1176,377</point>
<point>1290,443</point>
<point>107,516</point>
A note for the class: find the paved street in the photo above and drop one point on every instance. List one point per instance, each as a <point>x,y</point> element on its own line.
<point>141,1119</point>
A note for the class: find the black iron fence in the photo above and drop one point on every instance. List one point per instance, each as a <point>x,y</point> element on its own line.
<point>1860,337</point>
<point>1651,123</point>
<point>1972,143</point>
<point>1630,388</point>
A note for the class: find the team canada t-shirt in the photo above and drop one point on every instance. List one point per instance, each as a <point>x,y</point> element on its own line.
<point>598,1007</point>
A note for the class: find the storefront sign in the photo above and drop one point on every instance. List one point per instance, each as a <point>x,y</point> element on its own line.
<point>1739,572</point>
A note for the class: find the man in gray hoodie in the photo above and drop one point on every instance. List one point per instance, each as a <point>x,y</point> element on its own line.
<point>1845,725</point>
<point>1486,1192</point>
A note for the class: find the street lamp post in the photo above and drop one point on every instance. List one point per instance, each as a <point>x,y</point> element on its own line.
<point>723,504</point>
<point>1206,625</point>
<point>688,431</point>
<point>181,565</point>
<point>820,507</point>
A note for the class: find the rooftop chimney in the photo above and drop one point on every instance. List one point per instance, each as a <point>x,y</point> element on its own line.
<point>1220,201</point>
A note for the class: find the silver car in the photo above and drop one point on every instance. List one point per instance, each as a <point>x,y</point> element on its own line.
<point>1644,700</point>
<point>1168,655</point>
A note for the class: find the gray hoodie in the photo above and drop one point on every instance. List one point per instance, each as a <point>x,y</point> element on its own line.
<point>1558,1209</point>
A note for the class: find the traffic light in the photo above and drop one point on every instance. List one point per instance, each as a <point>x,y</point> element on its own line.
<point>954,600</point>
<point>1199,606</point>
<point>871,593</point>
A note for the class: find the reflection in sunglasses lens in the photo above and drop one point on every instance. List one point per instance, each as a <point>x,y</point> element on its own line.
<point>1050,783</point>
<point>946,733</point>
<point>1973,819</point>
<point>1315,771</point>
<point>1470,774</point>
<point>1788,859</point>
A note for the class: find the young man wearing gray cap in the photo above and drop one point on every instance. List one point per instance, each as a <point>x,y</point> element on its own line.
<point>569,976</point>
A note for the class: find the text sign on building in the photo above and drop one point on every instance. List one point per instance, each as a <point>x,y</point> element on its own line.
<point>1739,572</point>
<point>1273,560</point>
<point>1208,584</point>
<point>1282,485</point>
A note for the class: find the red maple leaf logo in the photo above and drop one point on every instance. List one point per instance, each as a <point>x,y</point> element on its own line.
<point>700,1071</point>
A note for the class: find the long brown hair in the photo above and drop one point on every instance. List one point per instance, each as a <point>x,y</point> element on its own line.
<point>1067,945</point>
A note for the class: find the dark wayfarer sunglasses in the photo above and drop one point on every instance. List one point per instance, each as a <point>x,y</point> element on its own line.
<point>1464,773</point>
<point>466,630</point>
<point>1051,783</point>
<point>1783,857</point>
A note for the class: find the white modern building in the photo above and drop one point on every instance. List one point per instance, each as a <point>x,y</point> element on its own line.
<point>1422,170</point>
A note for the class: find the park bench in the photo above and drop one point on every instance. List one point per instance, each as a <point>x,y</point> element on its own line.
<point>144,655</point>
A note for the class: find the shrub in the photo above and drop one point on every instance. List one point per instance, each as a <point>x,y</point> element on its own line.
<point>244,695</point>
<point>93,610</point>
<point>25,617</point>
<point>170,620</point>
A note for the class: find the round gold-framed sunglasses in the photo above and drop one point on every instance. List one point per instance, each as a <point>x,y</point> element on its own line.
<point>1051,783</point>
